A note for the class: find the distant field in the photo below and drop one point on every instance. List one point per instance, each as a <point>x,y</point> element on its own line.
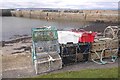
<point>88,73</point>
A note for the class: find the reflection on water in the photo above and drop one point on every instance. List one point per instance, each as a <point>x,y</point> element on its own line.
<point>22,26</point>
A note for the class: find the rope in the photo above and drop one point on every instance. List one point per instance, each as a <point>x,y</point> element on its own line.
<point>88,47</point>
<point>101,57</point>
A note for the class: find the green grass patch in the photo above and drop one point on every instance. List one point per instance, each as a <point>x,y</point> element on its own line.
<point>88,73</point>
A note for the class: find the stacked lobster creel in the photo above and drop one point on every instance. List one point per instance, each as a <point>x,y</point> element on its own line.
<point>68,46</point>
<point>45,50</point>
<point>113,44</point>
<point>75,45</point>
<point>119,42</point>
<point>68,53</point>
<point>106,47</point>
<point>47,57</point>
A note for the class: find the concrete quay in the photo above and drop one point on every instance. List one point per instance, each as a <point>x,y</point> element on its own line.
<point>81,15</point>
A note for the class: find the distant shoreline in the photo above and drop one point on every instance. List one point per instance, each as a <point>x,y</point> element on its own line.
<point>6,12</point>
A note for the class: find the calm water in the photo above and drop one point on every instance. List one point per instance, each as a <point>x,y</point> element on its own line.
<point>22,26</point>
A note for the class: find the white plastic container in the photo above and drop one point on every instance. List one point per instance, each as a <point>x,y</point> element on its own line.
<point>68,36</point>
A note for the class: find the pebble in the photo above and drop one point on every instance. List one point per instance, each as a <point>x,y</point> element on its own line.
<point>19,75</point>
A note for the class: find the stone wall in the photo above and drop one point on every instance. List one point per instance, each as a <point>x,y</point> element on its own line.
<point>84,15</point>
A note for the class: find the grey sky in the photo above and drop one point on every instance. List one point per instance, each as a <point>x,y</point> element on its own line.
<point>72,4</point>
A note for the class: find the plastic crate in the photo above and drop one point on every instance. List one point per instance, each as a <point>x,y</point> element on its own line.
<point>87,37</point>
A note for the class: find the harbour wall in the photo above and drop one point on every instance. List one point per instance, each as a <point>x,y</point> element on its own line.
<point>6,12</point>
<point>82,15</point>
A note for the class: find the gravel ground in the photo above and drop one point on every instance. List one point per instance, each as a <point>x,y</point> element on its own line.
<point>29,72</point>
<point>21,66</point>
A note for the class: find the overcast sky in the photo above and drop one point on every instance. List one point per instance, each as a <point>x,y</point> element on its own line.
<point>71,4</point>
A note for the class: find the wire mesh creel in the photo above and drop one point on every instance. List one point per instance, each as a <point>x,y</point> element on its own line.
<point>111,32</point>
